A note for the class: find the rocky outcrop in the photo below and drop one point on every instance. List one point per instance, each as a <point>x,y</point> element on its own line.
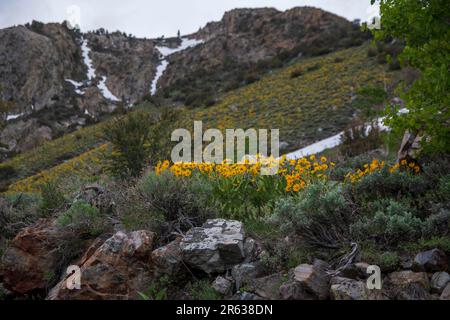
<point>118,270</point>
<point>268,287</point>
<point>349,289</point>
<point>45,75</point>
<point>308,282</point>
<point>24,135</point>
<point>168,260</point>
<point>439,281</point>
<point>408,285</point>
<point>215,247</point>
<point>244,273</point>
<point>128,63</point>
<point>31,260</point>
<point>222,286</point>
<point>430,261</point>
<point>64,79</point>
<point>245,37</point>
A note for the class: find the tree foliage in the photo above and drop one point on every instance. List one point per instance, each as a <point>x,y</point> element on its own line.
<point>424,26</point>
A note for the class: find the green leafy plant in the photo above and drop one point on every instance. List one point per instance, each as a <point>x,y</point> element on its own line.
<point>131,142</point>
<point>202,290</point>
<point>52,198</point>
<point>320,214</point>
<point>423,26</point>
<point>157,290</point>
<point>84,219</point>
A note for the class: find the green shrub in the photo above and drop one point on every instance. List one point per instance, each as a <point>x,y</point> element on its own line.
<point>390,225</point>
<point>443,189</point>
<point>18,211</point>
<point>386,260</point>
<point>202,290</point>
<point>384,184</point>
<point>296,73</point>
<point>157,290</point>
<point>319,214</point>
<point>440,242</point>
<point>182,202</point>
<point>52,199</point>
<point>137,141</point>
<point>437,224</point>
<point>84,219</point>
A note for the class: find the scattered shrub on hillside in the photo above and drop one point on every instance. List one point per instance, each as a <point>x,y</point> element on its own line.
<point>18,211</point>
<point>130,138</point>
<point>84,220</point>
<point>389,225</point>
<point>139,140</point>
<point>384,184</point>
<point>359,138</point>
<point>202,290</point>
<point>372,52</point>
<point>319,214</point>
<point>7,172</point>
<point>182,203</point>
<point>52,198</point>
<point>393,63</point>
<point>368,101</point>
<point>313,67</point>
<point>296,73</point>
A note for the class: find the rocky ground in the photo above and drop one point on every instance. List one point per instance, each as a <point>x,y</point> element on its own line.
<point>127,263</point>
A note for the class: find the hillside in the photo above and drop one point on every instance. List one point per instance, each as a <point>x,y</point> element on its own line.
<point>309,100</point>
<point>97,202</point>
<point>57,80</point>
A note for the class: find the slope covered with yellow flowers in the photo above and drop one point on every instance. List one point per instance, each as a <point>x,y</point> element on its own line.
<point>308,101</point>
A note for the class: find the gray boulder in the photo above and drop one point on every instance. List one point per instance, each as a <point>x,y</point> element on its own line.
<point>246,296</point>
<point>408,285</point>
<point>439,281</point>
<point>168,259</point>
<point>222,286</point>
<point>446,293</point>
<point>245,272</point>
<point>349,289</point>
<point>430,261</point>
<point>215,247</point>
<point>307,282</point>
<point>268,287</point>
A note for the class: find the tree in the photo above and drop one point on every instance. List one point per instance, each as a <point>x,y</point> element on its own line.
<point>139,139</point>
<point>129,137</point>
<point>424,26</point>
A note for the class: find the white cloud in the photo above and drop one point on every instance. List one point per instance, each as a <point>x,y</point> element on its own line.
<point>152,18</point>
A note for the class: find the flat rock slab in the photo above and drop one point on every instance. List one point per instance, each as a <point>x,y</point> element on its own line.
<point>215,247</point>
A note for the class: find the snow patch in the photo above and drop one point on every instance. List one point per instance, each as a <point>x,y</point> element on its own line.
<point>335,141</point>
<point>165,52</point>
<point>77,86</point>
<point>105,91</point>
<point>87,59</point>
<point>14,116</point>
<point>159,72</point>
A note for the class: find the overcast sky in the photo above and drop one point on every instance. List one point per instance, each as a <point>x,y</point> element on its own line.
<point>153,18</point>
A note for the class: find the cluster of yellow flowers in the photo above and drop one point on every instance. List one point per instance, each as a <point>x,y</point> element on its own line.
<point>377,166</point>
<point>303,170</point>
<point>297,173</point>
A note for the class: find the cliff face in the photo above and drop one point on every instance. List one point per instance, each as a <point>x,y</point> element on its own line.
<point>55,79</point>
<point>247,42</point>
